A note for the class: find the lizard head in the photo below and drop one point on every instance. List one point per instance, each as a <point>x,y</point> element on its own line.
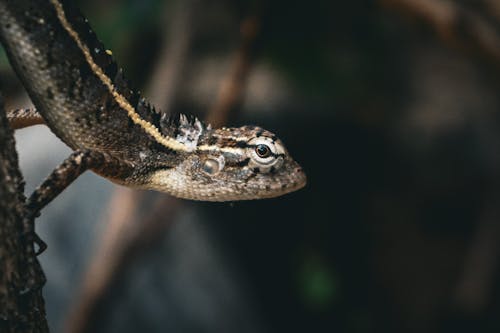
<point>230,164</point>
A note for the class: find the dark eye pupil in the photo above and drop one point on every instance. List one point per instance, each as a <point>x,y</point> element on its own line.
<point>262,150</point>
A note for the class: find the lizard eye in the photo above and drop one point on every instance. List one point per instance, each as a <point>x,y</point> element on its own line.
<point>263,150</point>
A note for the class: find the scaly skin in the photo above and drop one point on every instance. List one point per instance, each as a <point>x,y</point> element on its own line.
<point>85,100</point>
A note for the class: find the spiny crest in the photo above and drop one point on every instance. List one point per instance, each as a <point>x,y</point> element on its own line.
<point>184,129</point>
<point>124,87</point>
<point>147,112</point>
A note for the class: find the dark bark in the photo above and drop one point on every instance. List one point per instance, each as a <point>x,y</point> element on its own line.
<point>21,307</point>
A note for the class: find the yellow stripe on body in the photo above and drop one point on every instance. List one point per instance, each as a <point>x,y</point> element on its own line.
<point>120,99</point>
<point>231,150</point>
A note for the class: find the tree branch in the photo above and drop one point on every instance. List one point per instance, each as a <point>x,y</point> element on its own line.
<point>21,307</point>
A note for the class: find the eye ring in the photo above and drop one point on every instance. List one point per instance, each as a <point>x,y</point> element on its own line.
<point>262,150</point>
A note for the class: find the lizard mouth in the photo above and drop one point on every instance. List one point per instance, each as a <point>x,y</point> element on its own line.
<point>295,181</point>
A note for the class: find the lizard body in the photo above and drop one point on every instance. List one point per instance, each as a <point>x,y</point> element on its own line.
<point>84,98</point>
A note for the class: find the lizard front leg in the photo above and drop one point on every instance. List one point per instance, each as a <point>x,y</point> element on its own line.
<point>72,167</point>
<point>77,163</point>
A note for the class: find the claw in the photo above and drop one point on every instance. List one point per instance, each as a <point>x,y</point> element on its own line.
<point>42,246</point>
<point>30,234</point>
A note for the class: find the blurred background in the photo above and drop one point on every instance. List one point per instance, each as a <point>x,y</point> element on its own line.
<point>391,107</point>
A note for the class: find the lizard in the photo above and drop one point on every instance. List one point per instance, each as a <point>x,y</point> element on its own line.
<point>82,95</point>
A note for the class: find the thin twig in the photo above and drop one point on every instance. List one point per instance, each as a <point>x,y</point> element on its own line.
<point>474,286</point>
<point>175,49</point>
<point>126,238</point>
<point>455,25</point>
<point>233,85</point>
<point>119,216</point>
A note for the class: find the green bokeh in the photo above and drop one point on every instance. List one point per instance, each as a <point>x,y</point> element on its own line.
<point>318,283</point>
